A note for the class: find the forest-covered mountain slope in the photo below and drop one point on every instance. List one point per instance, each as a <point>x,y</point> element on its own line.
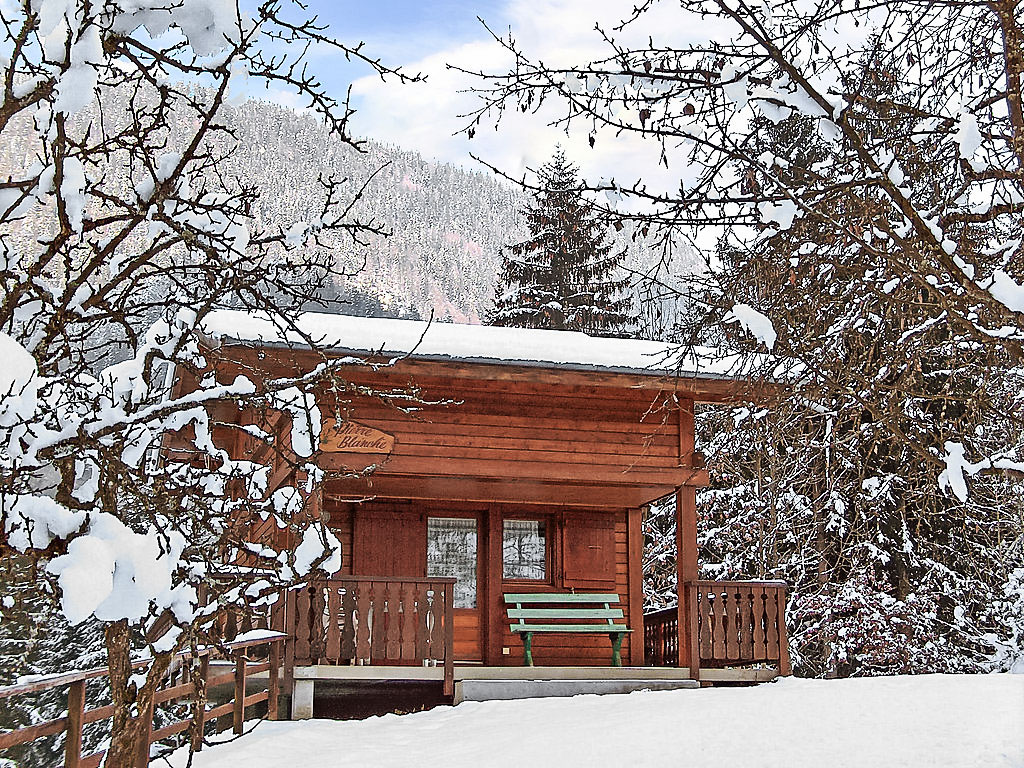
<point>447,223</point>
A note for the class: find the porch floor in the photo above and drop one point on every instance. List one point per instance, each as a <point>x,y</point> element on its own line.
<point>480,672</point>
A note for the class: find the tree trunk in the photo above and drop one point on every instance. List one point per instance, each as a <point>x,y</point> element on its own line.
<point>133,706</point>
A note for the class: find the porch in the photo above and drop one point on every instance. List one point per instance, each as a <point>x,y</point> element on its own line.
<point>359,630</point>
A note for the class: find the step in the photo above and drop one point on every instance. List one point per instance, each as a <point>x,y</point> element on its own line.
<point>492,690</point>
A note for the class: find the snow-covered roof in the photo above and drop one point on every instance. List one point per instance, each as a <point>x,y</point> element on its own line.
<point>475,343</point>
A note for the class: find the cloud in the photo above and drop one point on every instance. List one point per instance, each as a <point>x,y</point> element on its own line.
<point>426,116</point>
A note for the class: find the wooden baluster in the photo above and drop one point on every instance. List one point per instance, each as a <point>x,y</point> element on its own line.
<point>434,625</point>
<point>771,623</point>
<point>408,621</point>
<point>422,636</point>
<point>348,631</point>
<point>732,625</point>
<point>363,621</point>
<point>231,625</point>
<point>378,621</point>
<point>671,633</point>
<point>746,623</point>
<point>318,630</point>
<point>303,625</point>
<point>277,614</point>
<point>757,601</point>
<point>289,622</point>
<point>393,631</point>
<point>333,649</point>
<point>718,624</point>
<point>73,735</point>
<point>706,618</point>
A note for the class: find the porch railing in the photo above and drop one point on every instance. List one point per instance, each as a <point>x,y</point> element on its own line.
<point>176,688</point>
<point>661,638</point>
<point>730,623</point>
<point>373,620</point>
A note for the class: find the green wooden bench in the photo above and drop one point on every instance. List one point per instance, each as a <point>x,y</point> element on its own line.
<point>578,613</point>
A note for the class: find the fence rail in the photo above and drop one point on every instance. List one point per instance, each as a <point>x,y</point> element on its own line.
<point>373,620</point>
<point>178,686</point>
<point>728,623</point>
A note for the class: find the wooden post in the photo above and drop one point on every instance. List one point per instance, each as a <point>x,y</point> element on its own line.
<point>273,687</point>
<point>239,713</point>
<point>449,640</point>
<point>784,664</point>
<point>686,573</point>
<point>142,754</point>
<point>692,632</point>
<point>635,570</point>
<point>687,433</point>
<point>493,603</point>
<point>73,735</point>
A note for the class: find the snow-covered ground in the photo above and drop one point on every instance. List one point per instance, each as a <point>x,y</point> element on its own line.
<point>923,721</point>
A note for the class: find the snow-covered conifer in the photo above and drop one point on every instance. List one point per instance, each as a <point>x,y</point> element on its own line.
<point>564,276</point>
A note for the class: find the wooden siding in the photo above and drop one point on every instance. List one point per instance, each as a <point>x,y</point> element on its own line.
<point>583,436</point>
<point>582,450</point>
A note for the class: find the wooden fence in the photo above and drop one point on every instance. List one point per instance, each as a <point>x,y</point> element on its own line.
<point>177,687</point>
<point>729,623</point>
<point>373,620</point>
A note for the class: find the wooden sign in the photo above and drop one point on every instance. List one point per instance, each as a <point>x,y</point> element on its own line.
<point>352,437</point>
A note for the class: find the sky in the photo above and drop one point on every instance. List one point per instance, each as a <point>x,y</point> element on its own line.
<point>427,35</point>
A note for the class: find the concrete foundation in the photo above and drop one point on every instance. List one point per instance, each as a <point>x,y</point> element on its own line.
<point>302,699</point>
<point>490,690</point>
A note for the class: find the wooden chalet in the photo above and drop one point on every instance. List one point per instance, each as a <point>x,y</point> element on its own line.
<point>523,466</point>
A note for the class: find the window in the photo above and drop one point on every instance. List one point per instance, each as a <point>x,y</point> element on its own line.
<point>524,550</point>
<point>451,551</point>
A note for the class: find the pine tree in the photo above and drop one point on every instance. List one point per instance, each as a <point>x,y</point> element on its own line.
<point>562,276</point>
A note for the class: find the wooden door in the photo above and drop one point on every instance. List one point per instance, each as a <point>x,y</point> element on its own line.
<point>454,549</point>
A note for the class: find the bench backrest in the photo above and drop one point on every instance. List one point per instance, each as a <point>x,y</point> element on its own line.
<point>576,608</point>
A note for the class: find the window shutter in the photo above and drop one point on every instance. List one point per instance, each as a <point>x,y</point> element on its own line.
<point>588,551</point>
<point>388,543</point>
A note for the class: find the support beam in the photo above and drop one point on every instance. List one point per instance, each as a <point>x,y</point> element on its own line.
<point>686,574</point>
<point>635,581</point>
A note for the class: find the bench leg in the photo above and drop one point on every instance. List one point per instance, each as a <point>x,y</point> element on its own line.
<point>616,648</point>
<point>527,649</point>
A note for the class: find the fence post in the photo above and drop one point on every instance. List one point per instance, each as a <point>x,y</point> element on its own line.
<point>239,713</point>
<point>73,735</point>
<point>142,754</point>
<point>273,687</point>
<point>692,631</point>
<point>784,663</point>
